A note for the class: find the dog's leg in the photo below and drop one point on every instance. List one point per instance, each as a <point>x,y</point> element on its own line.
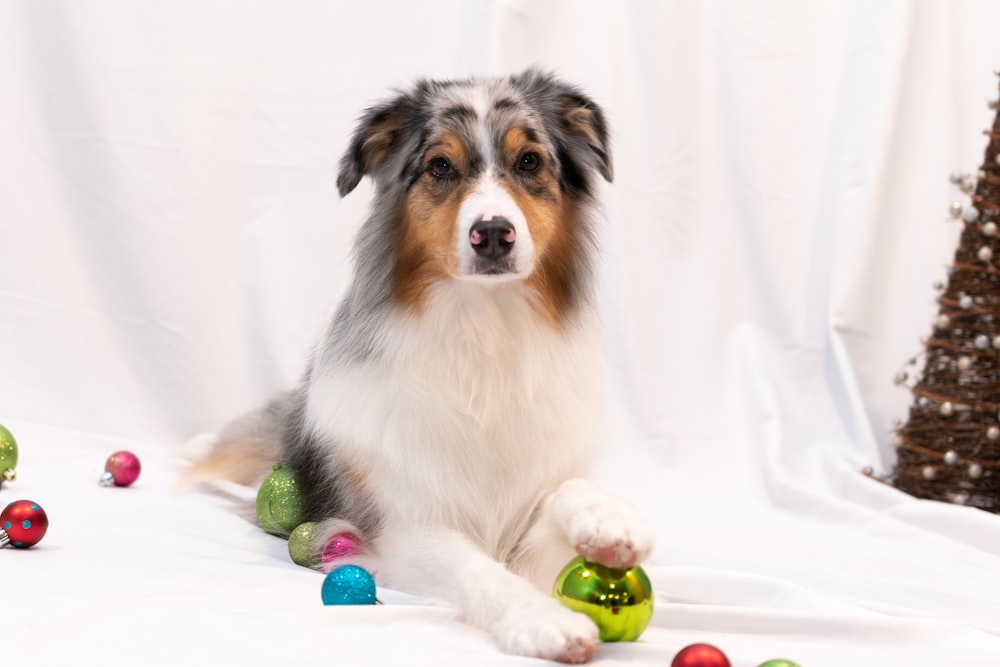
<point>522,619</point>
<point>601,527</point>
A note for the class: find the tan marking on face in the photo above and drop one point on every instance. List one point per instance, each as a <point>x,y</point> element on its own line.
<point>552,222</point>
<point>555,270</point>
<point>426,238</point>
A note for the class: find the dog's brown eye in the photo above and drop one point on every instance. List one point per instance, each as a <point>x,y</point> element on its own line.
<point>529,161</point>
<point>441,167</point>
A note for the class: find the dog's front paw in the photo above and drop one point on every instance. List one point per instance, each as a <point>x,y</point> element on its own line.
<point>610,532</point>
<point>545,629</point>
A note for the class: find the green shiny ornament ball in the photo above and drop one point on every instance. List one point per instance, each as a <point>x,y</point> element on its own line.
<point>778,663</point>
<point>8,454</point>
<point>620,602</point>
<point>280,507</point>
<point>301,544</point>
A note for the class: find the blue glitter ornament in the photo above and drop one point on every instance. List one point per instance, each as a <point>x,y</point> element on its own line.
<point>348,584</point>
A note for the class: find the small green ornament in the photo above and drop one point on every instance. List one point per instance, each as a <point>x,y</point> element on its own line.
<point>8,454</point>
<point>620,602</point>
<point>280,507</point>
<point>778,662</point>
<point>300,544</point>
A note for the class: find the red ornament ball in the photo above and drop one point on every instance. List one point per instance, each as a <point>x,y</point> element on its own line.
<point>700,655</point>
<point>121,469</point>
<point>22,524</point>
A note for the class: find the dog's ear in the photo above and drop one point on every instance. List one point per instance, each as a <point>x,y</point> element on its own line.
<point>381,130</point>
<point>587,131</point>
<point>575,121</point>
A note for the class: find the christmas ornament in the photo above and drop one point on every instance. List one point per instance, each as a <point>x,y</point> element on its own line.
<point>341,545</point>
<point>22,524</point>
<point>778,663</point>
<point>348,584</point>
<point>620,602</point>
<point>700,655</point>
<point>300,544</point>
<point>280,507</point>
<point>121,469</point>
<point>8,454</point>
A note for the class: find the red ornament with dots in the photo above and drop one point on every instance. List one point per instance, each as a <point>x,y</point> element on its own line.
<point>22,524</point>
<point>700,655</point>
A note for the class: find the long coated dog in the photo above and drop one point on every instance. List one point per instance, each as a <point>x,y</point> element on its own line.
<point>448,413</point>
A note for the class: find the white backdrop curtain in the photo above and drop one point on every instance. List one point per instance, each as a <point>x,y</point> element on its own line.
<point>171,242</point>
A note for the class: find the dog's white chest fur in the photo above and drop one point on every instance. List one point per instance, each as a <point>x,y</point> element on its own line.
<point>473,410</point>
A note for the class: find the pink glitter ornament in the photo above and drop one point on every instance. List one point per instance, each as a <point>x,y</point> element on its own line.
<point>341,545</point>
<point>121,469</point>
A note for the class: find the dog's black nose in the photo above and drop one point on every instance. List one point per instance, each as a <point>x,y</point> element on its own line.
<point>492,238</point>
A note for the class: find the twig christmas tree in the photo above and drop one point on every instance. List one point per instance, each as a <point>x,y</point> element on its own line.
<point>949,447</point>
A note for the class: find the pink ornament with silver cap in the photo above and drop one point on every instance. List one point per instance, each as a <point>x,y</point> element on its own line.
<point>121,469</point>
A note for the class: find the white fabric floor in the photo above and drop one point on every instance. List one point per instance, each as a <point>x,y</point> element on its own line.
<point>171,241</point>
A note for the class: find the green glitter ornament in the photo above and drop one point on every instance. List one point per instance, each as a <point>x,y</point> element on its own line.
<point>300,544</point>
<point>620,602</point>
<point>778,662</point>
<point>8,454</point>
<point>280,507</point>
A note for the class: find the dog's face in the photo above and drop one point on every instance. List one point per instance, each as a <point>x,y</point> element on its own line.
<point>483,180</point>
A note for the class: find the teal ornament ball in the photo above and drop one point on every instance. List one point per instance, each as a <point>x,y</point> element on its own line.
<point>778,662</point>
<point>620,602</point>
<point>348,584</point>
<point>301,544</point>
<point>8,454</point>
<point>280,506</point>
